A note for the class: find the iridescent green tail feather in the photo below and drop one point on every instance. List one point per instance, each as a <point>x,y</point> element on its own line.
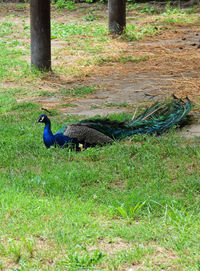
<point>160,117</point>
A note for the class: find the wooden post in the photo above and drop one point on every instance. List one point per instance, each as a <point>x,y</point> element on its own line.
<point>40,34</point>
<point>117,16</point>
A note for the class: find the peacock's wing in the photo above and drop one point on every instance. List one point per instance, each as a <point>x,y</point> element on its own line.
<point>106,126</point>
<point>86,135</point>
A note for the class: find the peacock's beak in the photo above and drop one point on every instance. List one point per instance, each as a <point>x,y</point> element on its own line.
<point>40,119</point>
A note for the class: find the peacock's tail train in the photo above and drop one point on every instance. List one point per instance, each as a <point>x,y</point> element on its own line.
<point>158,118</point>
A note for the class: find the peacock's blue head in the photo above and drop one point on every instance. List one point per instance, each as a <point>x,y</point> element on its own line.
<point>43,118</point>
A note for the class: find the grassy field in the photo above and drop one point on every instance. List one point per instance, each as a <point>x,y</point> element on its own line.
<point>133,205</point>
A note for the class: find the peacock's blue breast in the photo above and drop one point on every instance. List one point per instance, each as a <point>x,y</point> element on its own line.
<point>48,140</point>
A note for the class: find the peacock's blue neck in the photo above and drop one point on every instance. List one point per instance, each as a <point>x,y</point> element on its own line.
<point>48,136</point>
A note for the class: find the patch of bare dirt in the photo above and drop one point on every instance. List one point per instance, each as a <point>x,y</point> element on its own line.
<point>111,247</point>
<point>192,131</point>
<point>159,256</point>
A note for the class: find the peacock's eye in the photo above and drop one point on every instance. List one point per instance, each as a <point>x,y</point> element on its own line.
<point>41,118</point>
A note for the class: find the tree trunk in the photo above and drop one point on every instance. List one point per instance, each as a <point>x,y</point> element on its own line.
<point>40,34</point>
<point>117,16</point>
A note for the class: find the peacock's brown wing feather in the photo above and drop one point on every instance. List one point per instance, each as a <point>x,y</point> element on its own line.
<point>87,135</point>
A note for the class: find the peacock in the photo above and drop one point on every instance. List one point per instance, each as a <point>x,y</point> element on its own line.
<point>156,119</point>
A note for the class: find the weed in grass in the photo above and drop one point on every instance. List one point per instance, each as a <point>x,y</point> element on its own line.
<point>24,106</point>
<point>95,106</point>
<point>46,93</point>
<point>130,212</point>
<point>143,58</point>
<point>70,5</point>
<point>77,91</point>
<point>194,9</point>
<point>135,33</point>
<point>116,105</point>
<point>68,105</point>
<point>84,260</point>
<point>113,59</point>
<point>147,9</point>
<point>2,249</point>
<point>177,15</point>
<point>21,6</point>
<point>134,6</point>
<point>125,59</point>
<point>26,27</point>
<point>14,43</point>
<point>6,28</point>
<point>142,8</point>
<point>169,9</point>
<point>65,30</point>
<point>178,19</point>
<point>90,17</point>
<point>30,246</point>
<point>15,249</point>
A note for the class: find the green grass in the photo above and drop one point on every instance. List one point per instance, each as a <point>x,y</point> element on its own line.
<point>57,205</point>
<point>67,30</point>
<point>6,28</point>
<point>110,60</point>
<point>68,105</point>
<point>143,8</point>
<point>131,204</point>
<point>121,59</point>
<point>12,65</point>
<point>134,32</point>
<point>90,17</point>
<point>70,5</point>
<point>77,91</point>
<point>116,105</point>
